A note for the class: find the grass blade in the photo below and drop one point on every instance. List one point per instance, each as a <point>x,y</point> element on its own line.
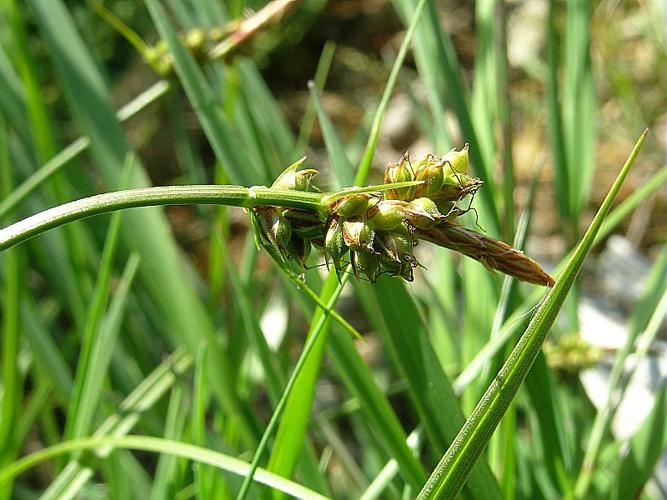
<point>158,445</point>
<point>289,436</point>
<point>455,466</point>
<point>646,448</point>
<point>77,472</point>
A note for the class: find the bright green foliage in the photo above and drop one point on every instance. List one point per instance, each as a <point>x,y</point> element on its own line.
<point>157,353</point>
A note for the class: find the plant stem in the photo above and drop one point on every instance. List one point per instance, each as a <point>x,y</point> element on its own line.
<point>236,196</point>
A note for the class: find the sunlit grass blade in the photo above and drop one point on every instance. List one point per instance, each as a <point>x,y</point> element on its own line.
<point>513,322</point>
<point>455,466</point>
<point>205,103</point>
<point>75,148</point>
<point>171,289</point>
<point>101,350</point>
<point>647,315</point>
<point>158,445</point>
<point>338,157</point>
<point>646,448</point>
<point>380,416</point>
<point>165,479</point>
<point>84,400</point>
<point>152,388</point>
<point>321,73</point>
<point>438,408</point>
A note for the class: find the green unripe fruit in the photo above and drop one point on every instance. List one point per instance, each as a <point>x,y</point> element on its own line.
<point>387,214</point>
<point>274,228</point>
<point>399,172</point>
<point>395,247</point>
<point>430,171</point>
<point>423,213</point>
<point>366,263</point>
<point>353,205</point>
<point>358,234</point>
<point>298,249</point>
<point>334,242</point>
<point>459,160</point>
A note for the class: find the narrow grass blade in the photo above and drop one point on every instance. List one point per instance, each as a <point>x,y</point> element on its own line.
<point>287,444</point>
<point>321,73</point>
<point>647,446</point>
<point>171,290</point>
<point>513,322</point>
<point>648,314</point>
<point>158,445</point>
<point>205,103</point>
<point>338,157</point>
<point>77,472</point>
<point>430,391</point>
<point>381,417</point>
<point>81,407</point>
<point>198,425</point>
<point>455,466</point>
<point>165,480</point>
<point>75,148</point>
<point>12,378</point>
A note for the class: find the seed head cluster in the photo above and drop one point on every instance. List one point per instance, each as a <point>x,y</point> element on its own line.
<point>376,232</point>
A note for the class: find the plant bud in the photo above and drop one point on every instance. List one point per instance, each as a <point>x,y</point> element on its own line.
<point>399,172</point>
<point>387,214</point>
<point>423,213</point>
<point>395,247</point>
<point>366,263</point>
<point>456,186</point>
<point>292,180</point>
<point>306,224</point>
<point>274,228</point>
<point>298,249</point>
<point>459,160</point>
<point>353,205</point>
<point>400,269</point>
<point>334,243</point>
<point>358,235</point>
<point>431,172</point>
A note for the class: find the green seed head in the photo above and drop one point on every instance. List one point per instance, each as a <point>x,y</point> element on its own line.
<point>456,185</point>
<point>395,247</point>
<point>430,171</point>
<point>459,160</point>
<point>399,172</point>
<point>366,263</point>
<point>353,205</point>
<point>358,234</point>
<point>423,213</point>
<point>400,269</point>
<point>334,242</point>
<point>275,229</point>
<point>387,214</point>
<point>298,250</point>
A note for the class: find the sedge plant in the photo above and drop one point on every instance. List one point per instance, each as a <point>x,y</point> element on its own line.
<point>111,342</point>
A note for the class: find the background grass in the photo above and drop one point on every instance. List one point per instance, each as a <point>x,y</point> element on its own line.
<point>170,324</point>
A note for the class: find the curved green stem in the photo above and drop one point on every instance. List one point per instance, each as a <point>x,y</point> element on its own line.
<point>236,196</point>
<point>157,445</point>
